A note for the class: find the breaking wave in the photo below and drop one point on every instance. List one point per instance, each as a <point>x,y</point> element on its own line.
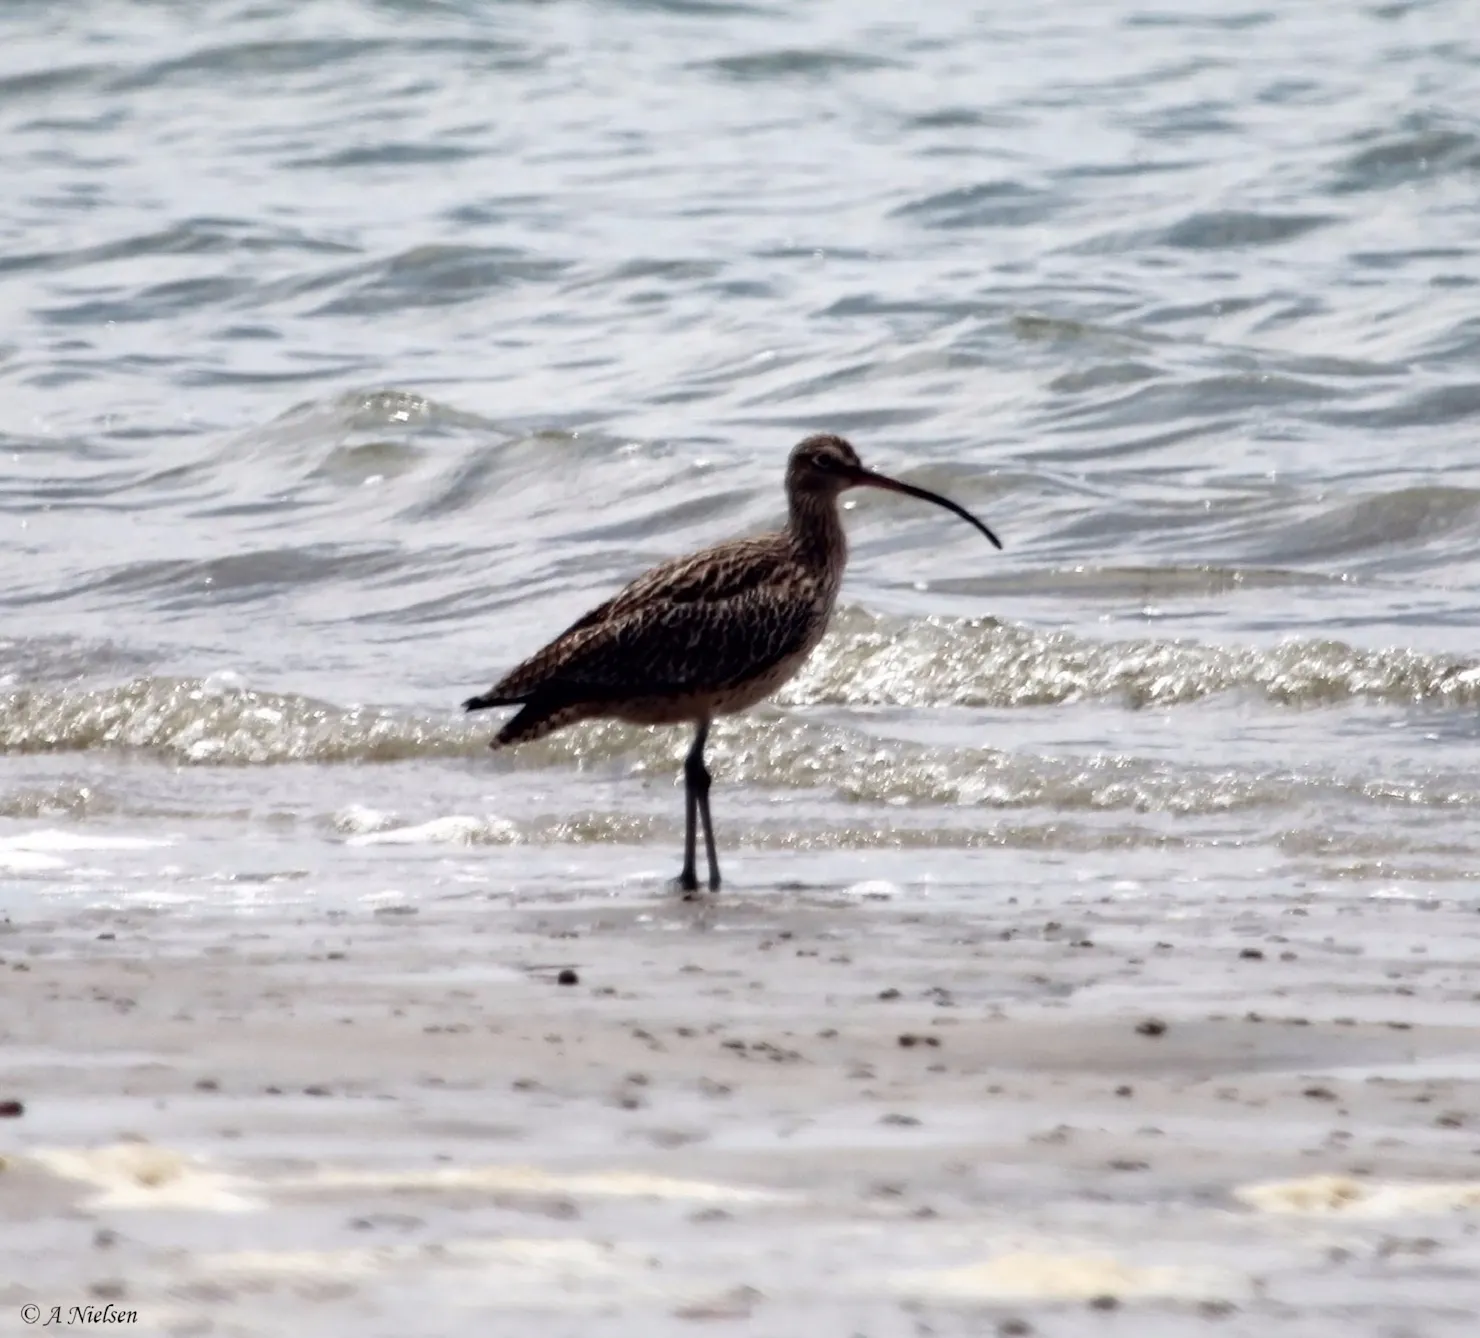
<point>879,661</point>
<point>868,660</point>
<point>196,720</point>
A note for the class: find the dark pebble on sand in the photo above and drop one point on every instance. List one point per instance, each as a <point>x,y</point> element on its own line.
<point>567,977</point>
<point>12,1109</point>
<point>1152,1026</point>
<point>1104,1303</point>
<point>890,993</point>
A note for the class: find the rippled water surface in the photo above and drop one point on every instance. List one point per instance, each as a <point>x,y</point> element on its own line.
<point>352,349</point>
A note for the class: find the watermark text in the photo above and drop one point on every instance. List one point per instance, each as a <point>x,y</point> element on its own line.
<point>61,1315</point>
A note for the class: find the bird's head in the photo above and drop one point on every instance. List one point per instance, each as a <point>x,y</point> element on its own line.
<point>825,465</point>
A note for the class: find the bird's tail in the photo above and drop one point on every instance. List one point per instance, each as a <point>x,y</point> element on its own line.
<point>536,717</point>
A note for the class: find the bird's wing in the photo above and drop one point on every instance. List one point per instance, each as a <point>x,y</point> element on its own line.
<point>694,624</point>
<point>721,572</point>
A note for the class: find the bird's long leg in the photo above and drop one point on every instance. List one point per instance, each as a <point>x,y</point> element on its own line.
<point>688,878</point>
<point>701,791</point>
<point>696,788</point>
<point>709,835</point>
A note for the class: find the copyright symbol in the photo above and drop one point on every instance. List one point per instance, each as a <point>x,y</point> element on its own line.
<point>30,1313</point>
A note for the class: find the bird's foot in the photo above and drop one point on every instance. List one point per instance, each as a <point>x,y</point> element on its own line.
<point>687,882</point>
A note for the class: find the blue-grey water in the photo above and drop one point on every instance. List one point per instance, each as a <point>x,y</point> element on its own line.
<point>352,349</point>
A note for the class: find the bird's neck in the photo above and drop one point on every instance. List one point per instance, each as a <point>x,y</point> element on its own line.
<point>816,532</point>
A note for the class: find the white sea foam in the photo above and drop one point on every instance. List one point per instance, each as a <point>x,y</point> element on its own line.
<point>44,850</point>
<point>52,839</point>
<point>145,1176</point>
<point>1343,1196</point>
<point>455,829</point>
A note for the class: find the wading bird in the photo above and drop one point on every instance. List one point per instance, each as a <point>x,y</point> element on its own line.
<point>705,635</point>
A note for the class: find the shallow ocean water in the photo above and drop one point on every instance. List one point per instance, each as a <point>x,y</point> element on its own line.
<point>352,349</point>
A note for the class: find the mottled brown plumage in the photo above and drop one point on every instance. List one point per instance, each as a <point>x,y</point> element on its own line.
<point>704,635</point>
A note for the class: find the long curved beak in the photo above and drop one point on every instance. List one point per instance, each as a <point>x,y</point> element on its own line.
<point>866,478</point>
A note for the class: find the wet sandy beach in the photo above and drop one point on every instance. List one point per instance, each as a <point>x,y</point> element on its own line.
<point>872,1108</point>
